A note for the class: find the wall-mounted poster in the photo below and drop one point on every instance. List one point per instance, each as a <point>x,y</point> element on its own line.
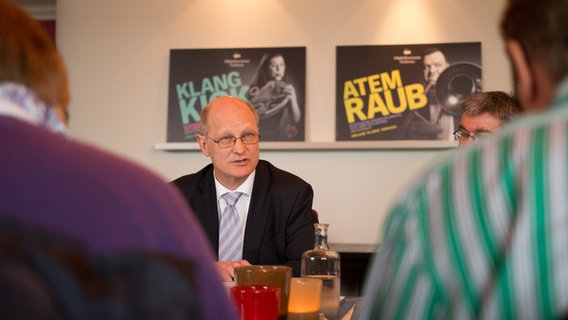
<point>404,92</point>
<point>273,80</point>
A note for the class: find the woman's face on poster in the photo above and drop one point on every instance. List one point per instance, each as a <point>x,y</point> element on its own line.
<point>277,68</point>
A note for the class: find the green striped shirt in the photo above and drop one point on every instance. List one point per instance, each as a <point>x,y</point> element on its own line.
<point>485,233</point>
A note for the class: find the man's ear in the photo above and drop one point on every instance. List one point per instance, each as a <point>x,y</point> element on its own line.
<point>201,140</point>
<point>524,79</point>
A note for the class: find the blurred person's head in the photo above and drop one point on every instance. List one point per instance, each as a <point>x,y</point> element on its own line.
<point>536,37</point>
<point>435,63</point>
<point>484,113</point>
<point>229,135</point>
<point>28,57</point>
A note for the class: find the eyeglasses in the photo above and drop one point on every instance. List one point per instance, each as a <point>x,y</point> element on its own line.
<point>462,135</point>
<point>227,142</point>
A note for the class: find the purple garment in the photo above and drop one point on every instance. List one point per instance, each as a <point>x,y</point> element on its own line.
<point>112,205</point>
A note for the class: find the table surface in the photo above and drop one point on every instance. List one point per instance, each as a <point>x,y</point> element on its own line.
<point>351,304</point>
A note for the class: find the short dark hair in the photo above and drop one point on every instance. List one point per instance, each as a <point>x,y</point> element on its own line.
<point>541,28</point>
<point>431,50</point>
<point>497,103</point>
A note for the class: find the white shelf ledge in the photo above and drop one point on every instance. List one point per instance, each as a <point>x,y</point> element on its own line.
<point>326,146</point>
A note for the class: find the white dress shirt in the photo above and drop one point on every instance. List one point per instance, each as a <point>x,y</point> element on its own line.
<point>242,205</point>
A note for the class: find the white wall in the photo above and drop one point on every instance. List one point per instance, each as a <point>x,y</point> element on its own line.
<point>117,53</point>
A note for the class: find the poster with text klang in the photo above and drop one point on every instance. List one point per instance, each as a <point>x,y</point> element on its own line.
<point>271,79</point>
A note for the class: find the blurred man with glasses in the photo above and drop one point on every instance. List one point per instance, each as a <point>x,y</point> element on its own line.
<point>484,113</point>
<point>274,208</point>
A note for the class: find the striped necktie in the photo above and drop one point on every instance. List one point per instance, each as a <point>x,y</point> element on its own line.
<point>230,246</point>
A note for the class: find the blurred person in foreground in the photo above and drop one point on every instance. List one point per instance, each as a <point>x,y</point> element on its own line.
<point>484,113</point>
<point>484,234</point>
<point>51,182</point>
<point>275,219</point>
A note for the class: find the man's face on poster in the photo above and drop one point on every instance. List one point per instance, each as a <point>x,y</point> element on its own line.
<point>434,64</point>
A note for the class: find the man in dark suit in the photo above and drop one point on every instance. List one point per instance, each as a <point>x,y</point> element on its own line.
<point>274,208</point>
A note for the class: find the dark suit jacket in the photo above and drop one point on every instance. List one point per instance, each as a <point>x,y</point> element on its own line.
<point>280,220</point>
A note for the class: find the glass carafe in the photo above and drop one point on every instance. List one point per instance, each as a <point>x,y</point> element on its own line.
<point>324,263</point>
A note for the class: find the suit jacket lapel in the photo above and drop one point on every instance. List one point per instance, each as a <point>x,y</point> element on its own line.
<point>259,209</point>
<point>206,204</point>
